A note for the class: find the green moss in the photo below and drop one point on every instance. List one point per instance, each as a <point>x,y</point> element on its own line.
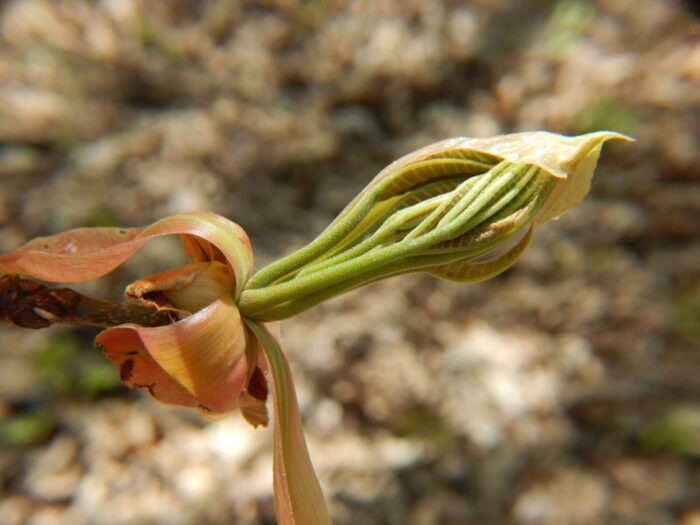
<point>55,363</point>
<point>676,433</point>
<point>27,429</point>
<point>97,379</point>
<point>423,423</point>
<point>66,369</point>
<point>686,314</point>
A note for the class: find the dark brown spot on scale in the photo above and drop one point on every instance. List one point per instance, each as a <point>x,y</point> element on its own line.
<point>133,352</point>
<point>126,370</point>
<point>205,408</point>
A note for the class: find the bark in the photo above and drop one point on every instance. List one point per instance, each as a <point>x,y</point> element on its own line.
<point>29,304</point>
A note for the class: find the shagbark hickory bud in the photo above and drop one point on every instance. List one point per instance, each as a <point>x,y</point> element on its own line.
<point>436,210</point>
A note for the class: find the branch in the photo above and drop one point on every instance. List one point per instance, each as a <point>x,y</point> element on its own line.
<point>29,304</point>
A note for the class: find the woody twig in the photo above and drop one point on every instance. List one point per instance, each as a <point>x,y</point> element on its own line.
<point>30,304</point>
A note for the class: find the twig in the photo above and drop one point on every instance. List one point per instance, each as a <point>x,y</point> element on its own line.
<point>29,304</point>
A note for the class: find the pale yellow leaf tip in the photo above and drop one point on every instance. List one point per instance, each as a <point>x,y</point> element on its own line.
<point>588,146</point>
<point>572,161</point>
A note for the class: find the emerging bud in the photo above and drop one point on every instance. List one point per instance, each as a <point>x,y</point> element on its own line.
<point>436,210</point>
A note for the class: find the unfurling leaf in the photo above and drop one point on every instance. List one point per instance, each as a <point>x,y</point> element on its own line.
<point>436,210</point>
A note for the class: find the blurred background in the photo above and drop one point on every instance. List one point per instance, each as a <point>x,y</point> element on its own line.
<point>565,391</point>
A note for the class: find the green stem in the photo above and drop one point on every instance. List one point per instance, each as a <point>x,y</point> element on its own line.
<point>252,302</point>
<point>287,264</point>
<point>405,265</point>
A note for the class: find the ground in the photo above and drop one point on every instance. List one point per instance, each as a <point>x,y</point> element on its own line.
<point>566,390</point>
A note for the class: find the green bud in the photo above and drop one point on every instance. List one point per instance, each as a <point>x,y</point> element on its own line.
<point>436,210</point>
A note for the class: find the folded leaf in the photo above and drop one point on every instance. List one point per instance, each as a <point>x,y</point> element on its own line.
<point>466,271</point>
